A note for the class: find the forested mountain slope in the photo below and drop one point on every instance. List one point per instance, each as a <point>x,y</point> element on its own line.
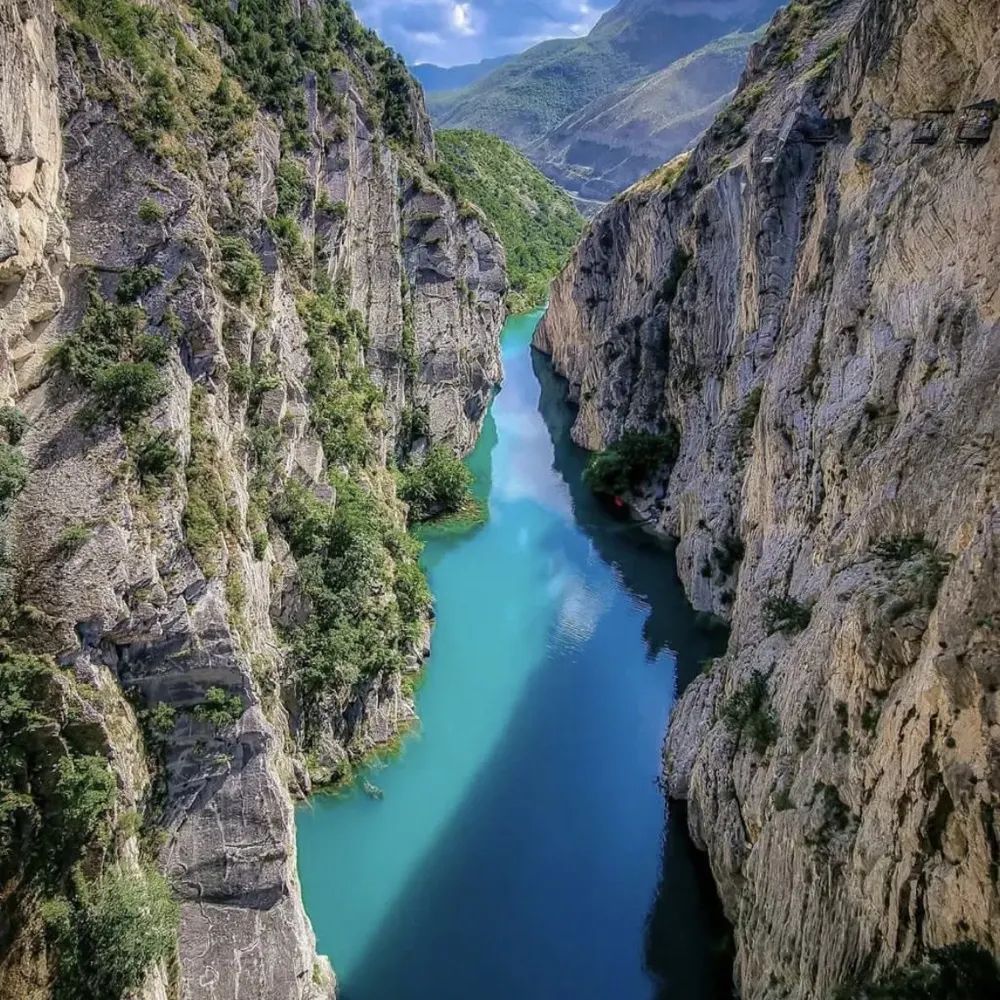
<point>536,221</point>
<point>533,92</point>
<point>615,140</point>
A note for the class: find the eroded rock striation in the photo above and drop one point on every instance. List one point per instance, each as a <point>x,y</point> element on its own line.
<point>812,301</point>
<point>231,294</point>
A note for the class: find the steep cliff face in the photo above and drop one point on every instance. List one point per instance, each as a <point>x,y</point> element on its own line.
<point>813,302</point>
<point>225,306</point>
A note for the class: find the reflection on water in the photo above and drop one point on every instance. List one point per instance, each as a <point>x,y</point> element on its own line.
<point>688,942</point>
<point>520,848</point>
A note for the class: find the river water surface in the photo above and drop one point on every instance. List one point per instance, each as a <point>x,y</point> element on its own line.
<point>522,847</point>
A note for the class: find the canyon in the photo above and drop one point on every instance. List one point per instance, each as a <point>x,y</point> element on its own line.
<point>241,299</point>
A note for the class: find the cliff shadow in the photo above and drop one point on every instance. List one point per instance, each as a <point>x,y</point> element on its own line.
<point>686,909</point>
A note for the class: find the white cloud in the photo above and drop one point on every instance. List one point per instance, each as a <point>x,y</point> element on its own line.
<point>461,18</point>
<point>450,32</point>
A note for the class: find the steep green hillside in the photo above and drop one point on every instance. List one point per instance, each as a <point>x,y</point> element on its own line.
<point>537,222</point>
<point>531,94</point>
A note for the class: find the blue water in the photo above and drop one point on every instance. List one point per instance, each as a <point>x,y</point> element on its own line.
<point>522,847</point>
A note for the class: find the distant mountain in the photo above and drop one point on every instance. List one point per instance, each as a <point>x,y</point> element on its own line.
<point>436,78</point>
<point>532,93</point>
<point>535,220</point>
<point>613,141</point>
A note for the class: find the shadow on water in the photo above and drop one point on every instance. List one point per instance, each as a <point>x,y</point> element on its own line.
<point>688,940</point>
<point>459,927</point>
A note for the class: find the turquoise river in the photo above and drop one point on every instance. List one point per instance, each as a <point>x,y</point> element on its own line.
<point>523,846</point>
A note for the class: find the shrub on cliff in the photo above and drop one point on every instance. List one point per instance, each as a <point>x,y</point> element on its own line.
<point>957,972</point>
<point>114,355</point>
<point>918,570</point>
<point>357,570</point>
<point>219,709</point>
<point>241,273</point>
<point>111,933</point>
<point>632,459</point>
<point>127,390</point>
<point>14,422</point>
<point>13,475</point>
<point>439,485</point>
<point>748,714</point>
<point>785,615</point>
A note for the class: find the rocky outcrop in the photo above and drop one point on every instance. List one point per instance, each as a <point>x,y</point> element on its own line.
<point>812,302</point>
<point>422,273</point>
<point>200,314</point>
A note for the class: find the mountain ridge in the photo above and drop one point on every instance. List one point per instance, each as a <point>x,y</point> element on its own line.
<point>536,90</point>
<point>435,78</point>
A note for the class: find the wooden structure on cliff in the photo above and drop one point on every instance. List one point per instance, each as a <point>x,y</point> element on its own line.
<point>930,126</point>
<point>975,123</point>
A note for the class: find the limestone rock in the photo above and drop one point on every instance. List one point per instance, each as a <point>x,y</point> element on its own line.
<point>813,304</point>
<point>110,578</point>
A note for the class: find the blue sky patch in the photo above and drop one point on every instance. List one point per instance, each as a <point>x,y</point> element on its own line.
<point>452,32</point>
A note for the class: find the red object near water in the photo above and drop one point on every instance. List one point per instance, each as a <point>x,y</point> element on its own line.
<point>619,503</point>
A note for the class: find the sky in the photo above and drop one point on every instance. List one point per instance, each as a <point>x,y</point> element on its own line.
<point>453,32</point>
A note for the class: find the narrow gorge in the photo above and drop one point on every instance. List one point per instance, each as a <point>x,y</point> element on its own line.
<point>806,308</point>
<point>708,542</point>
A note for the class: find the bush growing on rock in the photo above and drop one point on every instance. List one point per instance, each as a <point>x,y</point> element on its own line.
<point>84,794</point>
<point>632,459</point>
<point>115,357</point>
<point>150,211</point>
<point>962,971</point>
<point>747,713</point>
<point>440,484</point>
<point>155,457</point>
<point>126,390</point>
<point>208,516</point>
<point>728,553</point>
<point>73,538</point>
<point>292,185</point>
<point>366,595</point>
<point>749,411</point>
<point>14,422</point>
<point>785,615</point>
<point>13,475</point>
<point>918,571</point>
<point>134,283</point>
<point>241,273</point>
<point>110,935</point>
<point>220,709</point>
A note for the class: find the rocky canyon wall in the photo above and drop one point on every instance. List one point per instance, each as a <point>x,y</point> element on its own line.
<point>228,302</point>
<point>813,302</point>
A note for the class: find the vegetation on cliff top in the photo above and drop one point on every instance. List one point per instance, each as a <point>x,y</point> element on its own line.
<point>180,100</point>
<point>272,47</point>
<point>536,221</point>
